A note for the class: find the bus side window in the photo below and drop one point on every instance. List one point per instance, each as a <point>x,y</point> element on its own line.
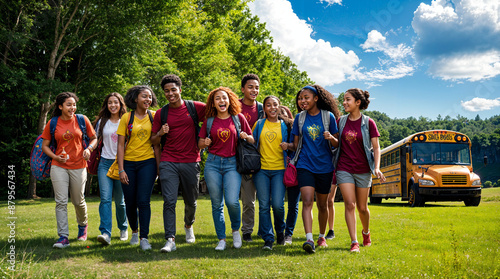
<point>393,158</point>
<point>397,156</point>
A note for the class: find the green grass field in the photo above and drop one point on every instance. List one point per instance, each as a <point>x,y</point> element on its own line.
<point>442,240</point>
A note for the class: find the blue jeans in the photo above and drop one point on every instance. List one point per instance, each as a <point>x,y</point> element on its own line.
<point>270,192</point>
<point>223,183</point>
<point>293,209</point>
<point>141,178</point>
<point>108,188</point>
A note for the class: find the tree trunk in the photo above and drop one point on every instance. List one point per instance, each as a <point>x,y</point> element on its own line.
<point>32,188</point>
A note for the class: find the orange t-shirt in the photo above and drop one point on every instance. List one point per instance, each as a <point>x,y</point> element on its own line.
<point>69,136</point>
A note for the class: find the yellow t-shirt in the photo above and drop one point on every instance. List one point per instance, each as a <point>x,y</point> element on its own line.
<point>139,146</point>
<point>271,154</point>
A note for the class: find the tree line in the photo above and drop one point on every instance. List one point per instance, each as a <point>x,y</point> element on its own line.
<point>94,47</point>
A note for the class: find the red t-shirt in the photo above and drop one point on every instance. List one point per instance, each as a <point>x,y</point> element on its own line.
<point>223,135</point>
<point>251,113</point>
<point>69,136</point>
<point>352,153</point>
<point>181,145</point>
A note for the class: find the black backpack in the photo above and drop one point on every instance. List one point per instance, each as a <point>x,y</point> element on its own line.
<point>247,154</point>
<point>192,112</point>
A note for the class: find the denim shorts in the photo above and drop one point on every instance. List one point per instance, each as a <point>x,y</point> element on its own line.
<point>322,182</point>
<point>360,180</point>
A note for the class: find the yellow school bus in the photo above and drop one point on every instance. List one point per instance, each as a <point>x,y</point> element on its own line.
<point>432,165</point>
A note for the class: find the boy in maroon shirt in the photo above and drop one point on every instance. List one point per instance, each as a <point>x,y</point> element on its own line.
<point>180,157</point>
<point>252,110</point>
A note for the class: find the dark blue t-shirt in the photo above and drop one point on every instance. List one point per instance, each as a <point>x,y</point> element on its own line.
<point>315,155</point>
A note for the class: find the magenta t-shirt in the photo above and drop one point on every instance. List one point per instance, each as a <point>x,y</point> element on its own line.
<point>181,145</point>
<point>352,153</point>
<point>223,135</point>
<point>251,113</point>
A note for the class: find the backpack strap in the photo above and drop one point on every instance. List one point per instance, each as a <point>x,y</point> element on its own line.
<point>53,125</point>
<point>150,114</point>
<point>258,129</point>
<point>302,120</point>
<point>130,125</point>
<point>83,127</point>
<point>260,109</point>
<point>325,118</point>
<point>237,123</point>
<point>194,115</point>
<point>210,121</point>
<point>163,117</point>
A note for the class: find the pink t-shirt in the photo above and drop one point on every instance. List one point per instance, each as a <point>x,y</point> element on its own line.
<point>251,113</point>
<point>181,145</point>
<point>352,153</point>
<point>223,135</point>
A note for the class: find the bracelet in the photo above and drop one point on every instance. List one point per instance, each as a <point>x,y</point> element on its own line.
<point>91,147</point>
<point>121,171</point>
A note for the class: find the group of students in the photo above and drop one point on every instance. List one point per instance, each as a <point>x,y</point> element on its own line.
<point>167,143</point>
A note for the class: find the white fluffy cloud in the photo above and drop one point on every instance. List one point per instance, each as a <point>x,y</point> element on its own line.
<point>395,66</point>
<point>461,38</point>
<point>480,104</point>
<point>324,63</point>
<point>331,2</point>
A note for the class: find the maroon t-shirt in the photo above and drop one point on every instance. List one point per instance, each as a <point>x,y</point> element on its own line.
<point>223,135</point>
<point>352,153</point>
<point>181,145</point>
<point>251,113</point>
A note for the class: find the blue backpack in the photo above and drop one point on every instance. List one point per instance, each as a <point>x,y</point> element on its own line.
<point>40,162</point>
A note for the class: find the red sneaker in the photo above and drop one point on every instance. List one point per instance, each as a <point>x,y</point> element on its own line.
<point>322,242</point>
<point>355,247</point>
<point>367,241</point>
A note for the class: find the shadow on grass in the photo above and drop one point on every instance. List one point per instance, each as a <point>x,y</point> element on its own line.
<point>405,204</point>
<point>40,249</point>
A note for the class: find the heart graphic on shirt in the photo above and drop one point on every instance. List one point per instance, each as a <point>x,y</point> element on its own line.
<point>248,117</point>
<point>223,134</point>
<point>270,136</point>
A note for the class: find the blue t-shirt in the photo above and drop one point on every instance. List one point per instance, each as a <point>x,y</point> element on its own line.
<point>315,155</point>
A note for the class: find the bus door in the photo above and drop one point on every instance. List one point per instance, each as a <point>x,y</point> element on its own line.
<point>404,183</point>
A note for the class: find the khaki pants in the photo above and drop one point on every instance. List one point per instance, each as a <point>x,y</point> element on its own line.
<point>248,195</point>
<point>70,182</point>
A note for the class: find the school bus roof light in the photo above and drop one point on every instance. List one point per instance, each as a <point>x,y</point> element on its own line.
<point>421,137</point>
<point>459,138</point>
<point>415,138</point>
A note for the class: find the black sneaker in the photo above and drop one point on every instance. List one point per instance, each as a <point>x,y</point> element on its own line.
<point>308,246</point>
<point>268,245</point>
<point>280,239</point>
<point>247,237</point>
<point>330,235</point>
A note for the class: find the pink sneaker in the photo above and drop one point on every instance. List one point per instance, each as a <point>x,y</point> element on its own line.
<point>322,242</point>
<point>355,247</point>
<point>367,241</point>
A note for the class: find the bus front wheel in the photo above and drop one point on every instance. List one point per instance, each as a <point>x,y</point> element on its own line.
<point>472,201</point>
<point>416,200</point>
<point>375,200</point>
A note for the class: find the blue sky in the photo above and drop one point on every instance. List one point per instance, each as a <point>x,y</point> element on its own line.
<point>416,58</point>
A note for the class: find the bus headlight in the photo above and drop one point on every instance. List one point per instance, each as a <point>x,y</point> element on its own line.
<point>476,182</point>
<point>425,182</point>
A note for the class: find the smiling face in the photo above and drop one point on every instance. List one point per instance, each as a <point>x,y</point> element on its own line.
<point>221,102</point>
<point>350,103</point>
<point>144,99</point>
<point>172,93</point>
<point>271,108</point>
<point>251,89</point>
<point>114,105</point>
<point>307,99</point>
<point>68,108</point>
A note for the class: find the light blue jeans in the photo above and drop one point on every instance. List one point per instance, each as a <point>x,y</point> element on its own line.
<point>270,192</point>
<point>108,188</point>
<point>223,183</point>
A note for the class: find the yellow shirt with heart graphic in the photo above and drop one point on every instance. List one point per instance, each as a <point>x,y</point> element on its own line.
<point>271,154</point>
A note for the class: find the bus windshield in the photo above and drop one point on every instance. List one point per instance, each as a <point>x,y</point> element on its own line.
<point>441,154</point>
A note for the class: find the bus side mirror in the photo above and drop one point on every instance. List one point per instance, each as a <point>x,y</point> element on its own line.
<point>485,160</point>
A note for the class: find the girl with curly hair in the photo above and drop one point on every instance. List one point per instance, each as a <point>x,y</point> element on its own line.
<point>314,165</point>
<point>223,181</point>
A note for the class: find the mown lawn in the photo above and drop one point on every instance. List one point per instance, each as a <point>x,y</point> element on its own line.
<point>440,240</point>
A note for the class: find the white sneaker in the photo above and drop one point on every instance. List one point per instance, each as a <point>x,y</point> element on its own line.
<point>189,235</point>
<point>145,244</point>
<point>104,239</point>
<point>169,246</point>
<point>221,246</point>
<point>135,239</point>
<point>288,240</point>
<point>123,235</point>
<point>236,239</point>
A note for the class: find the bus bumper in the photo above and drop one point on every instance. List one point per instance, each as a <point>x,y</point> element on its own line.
<point>449,194</point>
